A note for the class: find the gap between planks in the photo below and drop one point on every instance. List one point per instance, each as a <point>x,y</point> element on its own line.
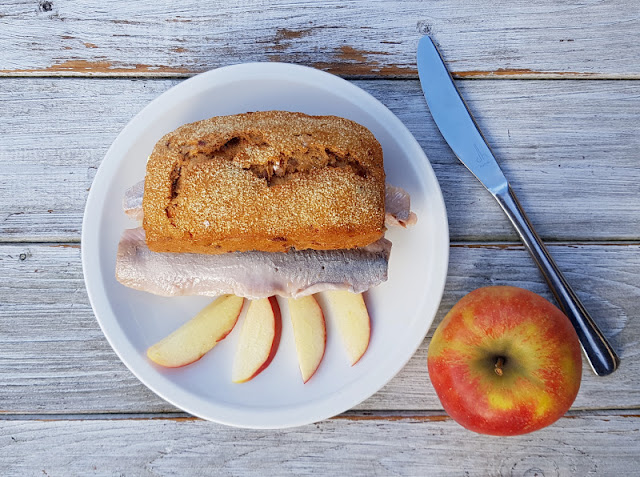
<point>389,416</point>
<point>75,242</point>
<point>412,75</point>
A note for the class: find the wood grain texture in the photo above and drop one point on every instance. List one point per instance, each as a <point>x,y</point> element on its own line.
<point>421,445</point>
<point>563,144</point>
<point>68,406</point>
<point>54,358</point>
<point>356,38</point>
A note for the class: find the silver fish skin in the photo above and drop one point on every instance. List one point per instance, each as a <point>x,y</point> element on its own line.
<point>252,274</point>
<point>132,201</point>
<point>397,205</point>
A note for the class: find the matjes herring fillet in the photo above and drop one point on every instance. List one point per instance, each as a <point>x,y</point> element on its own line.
<point>249,274</point>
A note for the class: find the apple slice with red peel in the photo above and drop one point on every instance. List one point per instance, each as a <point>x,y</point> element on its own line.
<point>352,320</point>
<point>310,333</point>
<point>259,339</point>
<point>199,335</point>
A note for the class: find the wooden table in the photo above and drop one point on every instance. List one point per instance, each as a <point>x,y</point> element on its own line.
<point>554,86</point>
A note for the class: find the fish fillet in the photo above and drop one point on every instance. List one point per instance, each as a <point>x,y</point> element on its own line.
<point>397,205</point>
<point>132,201</point>
<point>249,274</point>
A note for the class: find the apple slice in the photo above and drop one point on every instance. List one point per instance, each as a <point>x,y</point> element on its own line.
<point>309,332</point>
<point>198,335</point>
<point>259,339</point>
<point>352,319</point>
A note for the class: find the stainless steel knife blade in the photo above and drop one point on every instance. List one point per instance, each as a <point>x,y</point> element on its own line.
<point>461,132</point>
<point>454,120</point>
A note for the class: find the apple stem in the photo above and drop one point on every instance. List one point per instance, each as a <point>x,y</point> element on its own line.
<point>498,366</point>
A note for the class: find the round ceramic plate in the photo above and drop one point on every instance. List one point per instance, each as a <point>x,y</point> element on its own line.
<point>402,309</point>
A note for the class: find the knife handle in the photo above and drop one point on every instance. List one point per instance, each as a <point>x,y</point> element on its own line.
<point>600,354</point>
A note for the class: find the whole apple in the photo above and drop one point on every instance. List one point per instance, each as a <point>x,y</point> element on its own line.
<point>505,361</point>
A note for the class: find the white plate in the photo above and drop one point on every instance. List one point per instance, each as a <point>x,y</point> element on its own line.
<point>401,309</point>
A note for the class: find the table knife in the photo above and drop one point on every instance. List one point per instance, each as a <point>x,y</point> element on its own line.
<point>461,132</point>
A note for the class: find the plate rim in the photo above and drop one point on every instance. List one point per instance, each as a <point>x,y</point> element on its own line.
<point>340,401</point>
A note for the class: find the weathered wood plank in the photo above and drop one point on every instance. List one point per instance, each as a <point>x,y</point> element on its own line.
<point>420,445</point>
<point>505,39</point>
<point>562,144</point>
<point>54,359</point>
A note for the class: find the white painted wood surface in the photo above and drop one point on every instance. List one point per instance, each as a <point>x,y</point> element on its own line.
<point>356,445</point>
<point>563,145</point>
<point>68,406</point>
<point>52,345</point>
<point>508,38</point>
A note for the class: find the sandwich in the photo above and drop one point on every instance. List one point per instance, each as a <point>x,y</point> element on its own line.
<point>262,204</point>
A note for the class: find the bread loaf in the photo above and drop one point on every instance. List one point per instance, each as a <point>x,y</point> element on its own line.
<point>265,181</point>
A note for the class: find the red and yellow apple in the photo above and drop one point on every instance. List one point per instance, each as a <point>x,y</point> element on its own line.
<point>505,361</point>
<point>309,332</point>
<point>199,335</point>
<point>259,339</point>
<point>352,319</point>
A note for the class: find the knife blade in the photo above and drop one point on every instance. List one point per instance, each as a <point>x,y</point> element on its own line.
<point>459,129</point>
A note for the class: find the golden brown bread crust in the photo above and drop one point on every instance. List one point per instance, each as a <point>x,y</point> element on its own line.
<point>264,181</point>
